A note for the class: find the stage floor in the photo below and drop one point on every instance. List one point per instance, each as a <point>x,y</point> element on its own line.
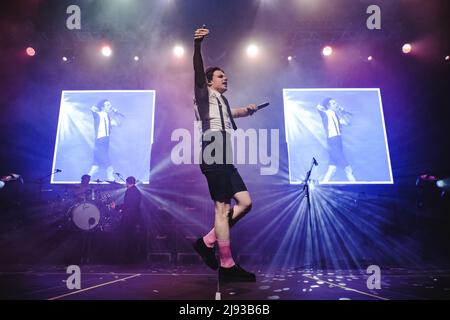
<point>199,283</point>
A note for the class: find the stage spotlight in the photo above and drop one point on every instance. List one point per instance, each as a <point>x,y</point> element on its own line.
<point>327,51</point>
<point>443,184</point>
<point>136,58</point>
<point>106,51</point>
<point>64,59</point>
<point>178,51</point>
<point>252,50</point>
<point>406,48</point>
<point>369,58</point>
<point>289,58</point>
<point>30,51</point>
<point>312,185</point>
<point>447,58</point>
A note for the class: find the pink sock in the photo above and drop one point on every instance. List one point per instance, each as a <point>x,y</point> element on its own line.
<point>226,259</point>
<point>210,238</point>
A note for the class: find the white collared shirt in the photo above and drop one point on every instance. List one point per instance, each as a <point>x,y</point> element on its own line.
<point>103,125</point>
<point>213,116</point>
<point>333,124</point>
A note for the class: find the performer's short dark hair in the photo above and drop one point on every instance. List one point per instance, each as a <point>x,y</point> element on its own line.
<point>131,180</point>
<point>326,101</point>
<point>101,104</point>
<point>210,71</point>
<point>85,176</point>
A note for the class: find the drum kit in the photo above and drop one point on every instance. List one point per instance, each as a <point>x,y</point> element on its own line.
<point>94,212</point>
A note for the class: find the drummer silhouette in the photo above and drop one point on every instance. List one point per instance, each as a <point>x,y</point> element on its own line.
<point>84,191</point>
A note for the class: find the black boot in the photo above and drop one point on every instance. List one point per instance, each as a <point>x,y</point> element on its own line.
<point>235,274</point>
<point>207,254</point>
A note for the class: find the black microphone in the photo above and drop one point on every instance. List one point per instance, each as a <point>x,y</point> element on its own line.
<point>259,107</point>
<point>118,113</point>
<point>342,110</point>
<point>57,170</point>
<point>315,162</point>
<point>117,174</point>
<point>263,105</point>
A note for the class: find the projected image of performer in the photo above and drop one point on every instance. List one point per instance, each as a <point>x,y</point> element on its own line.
<point>224,182</point>
<point>105,117</point>
<point>334,118</point>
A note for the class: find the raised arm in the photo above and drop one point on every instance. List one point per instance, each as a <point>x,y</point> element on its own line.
<point>200,78</point>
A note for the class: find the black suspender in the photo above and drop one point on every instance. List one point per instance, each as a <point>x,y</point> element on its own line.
<point>222,121</point>
<point>229,113</point>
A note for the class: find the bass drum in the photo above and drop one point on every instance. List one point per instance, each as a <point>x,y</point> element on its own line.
<point>85,215</point>
<point>110,220</point>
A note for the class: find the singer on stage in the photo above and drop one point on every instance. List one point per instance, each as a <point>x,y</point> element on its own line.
<point>333,119</point>
<point>105,117</point>
<point>212,110</point>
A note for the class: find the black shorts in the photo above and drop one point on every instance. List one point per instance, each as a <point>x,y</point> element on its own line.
<point>224,182</point>
<point>336,152</point>
<point>101,152</point>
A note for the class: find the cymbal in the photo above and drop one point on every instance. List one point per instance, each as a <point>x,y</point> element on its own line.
<point>113,182</point>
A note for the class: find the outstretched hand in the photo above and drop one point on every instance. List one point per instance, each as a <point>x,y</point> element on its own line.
<point>200,33</point>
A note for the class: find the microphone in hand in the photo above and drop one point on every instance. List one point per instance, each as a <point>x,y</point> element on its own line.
<point>118,113</point>
<point>343,111</point>
<point>262,105</point>
<point>315,162</point>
